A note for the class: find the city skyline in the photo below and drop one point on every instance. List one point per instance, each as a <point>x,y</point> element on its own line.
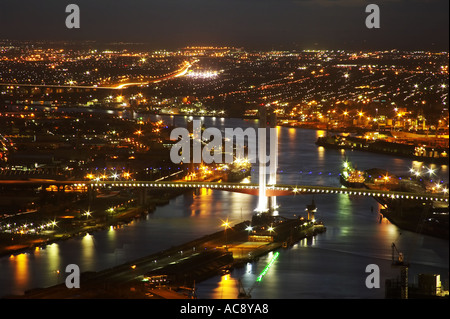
<point>270,24</point>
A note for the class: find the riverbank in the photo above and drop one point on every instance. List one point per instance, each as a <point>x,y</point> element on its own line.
<point>181,266</point>
<point>427,218</point>
<point>404,150</point>
<point>418,219</point>
<point>13,244</point>
<point>103,215</point>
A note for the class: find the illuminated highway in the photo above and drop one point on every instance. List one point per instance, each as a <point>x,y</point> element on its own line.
<point>180,72</point>
<point>175,74</point>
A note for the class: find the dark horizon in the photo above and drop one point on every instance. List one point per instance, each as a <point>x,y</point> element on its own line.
<point>268,24</point>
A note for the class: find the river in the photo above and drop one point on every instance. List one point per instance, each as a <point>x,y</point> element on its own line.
<point>331,265</point>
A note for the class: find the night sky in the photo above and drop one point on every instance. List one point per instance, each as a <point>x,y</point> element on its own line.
<point>253,24</point>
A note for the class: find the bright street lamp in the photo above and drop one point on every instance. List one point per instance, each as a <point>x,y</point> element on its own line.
<point>226,224</point>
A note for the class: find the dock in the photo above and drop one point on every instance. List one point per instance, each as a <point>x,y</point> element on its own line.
<point>172,273</point>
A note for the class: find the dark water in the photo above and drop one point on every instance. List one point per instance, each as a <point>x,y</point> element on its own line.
<point>331,265</point>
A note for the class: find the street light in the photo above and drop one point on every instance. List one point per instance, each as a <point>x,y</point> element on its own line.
<point>431,171</point>
<point>226,224</point>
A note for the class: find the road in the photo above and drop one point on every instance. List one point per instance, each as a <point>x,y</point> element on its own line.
<point>180,72</point>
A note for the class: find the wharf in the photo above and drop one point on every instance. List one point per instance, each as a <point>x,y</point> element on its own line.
<point>435,154</point>
<point>180,266</point>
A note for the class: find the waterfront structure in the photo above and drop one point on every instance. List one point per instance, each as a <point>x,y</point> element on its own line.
<point>262,199</point>
<point>267,120</point>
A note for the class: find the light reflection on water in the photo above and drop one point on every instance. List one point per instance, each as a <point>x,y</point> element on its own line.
<point>331,265</point>
<point>227,288</point>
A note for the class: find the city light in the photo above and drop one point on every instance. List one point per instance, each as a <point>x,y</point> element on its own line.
<point>226,224</point>
<point>126,175</point>
<point>87,135</point>
<point>202,74</point>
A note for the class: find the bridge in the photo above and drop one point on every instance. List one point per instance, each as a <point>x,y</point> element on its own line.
<point>264,189</point>
<point>246,188</point>
<point>280,190</point>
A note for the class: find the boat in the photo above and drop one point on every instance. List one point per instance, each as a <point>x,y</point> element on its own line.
<point>351,177</point>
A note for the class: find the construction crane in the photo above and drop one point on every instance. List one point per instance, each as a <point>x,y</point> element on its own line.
<point>243,294</point>
<point>403,271</point>
<point>400,259</point>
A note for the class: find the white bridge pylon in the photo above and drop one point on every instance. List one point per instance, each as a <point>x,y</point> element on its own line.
<point>265,203</point>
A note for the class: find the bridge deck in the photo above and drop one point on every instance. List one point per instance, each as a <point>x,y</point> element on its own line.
<point>253,189</point>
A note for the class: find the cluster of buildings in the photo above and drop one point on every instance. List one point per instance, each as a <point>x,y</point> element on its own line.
<point>402,97</point>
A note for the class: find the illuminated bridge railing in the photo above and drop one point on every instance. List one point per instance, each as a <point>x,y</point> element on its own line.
<point>289,189</point>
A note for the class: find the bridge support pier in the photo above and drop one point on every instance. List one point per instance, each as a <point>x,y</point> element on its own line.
<point>43,195</point>
<point>272,204</point>
<point>92,194</point>
<point>142,197</point>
